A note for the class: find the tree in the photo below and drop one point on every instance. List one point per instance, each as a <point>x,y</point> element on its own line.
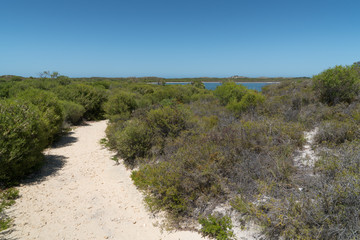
<point>54,75</point>
<point>44,74</point>
<point>48,74</point>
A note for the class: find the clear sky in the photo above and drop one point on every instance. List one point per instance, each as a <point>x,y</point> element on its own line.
<point>184,38</point>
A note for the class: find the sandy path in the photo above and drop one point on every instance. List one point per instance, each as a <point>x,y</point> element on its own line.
<point>307,156</point>
<point>81,194</point>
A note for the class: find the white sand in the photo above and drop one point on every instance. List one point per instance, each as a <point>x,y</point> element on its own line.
<point>251,231</point>
<point>307,156</point>
<point>82,194</point>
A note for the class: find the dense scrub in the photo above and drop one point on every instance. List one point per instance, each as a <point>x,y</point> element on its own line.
<point>23,137</point>
<point>33,113</point>
<point>192,149</point>
<point>195,149</point>
<point>324,205</point>
<point>195,152</point>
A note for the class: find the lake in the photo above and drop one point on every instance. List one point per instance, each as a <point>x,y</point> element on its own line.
<point>212,85</point>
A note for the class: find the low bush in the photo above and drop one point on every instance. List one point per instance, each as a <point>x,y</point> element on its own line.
<point>216,227</point>
<point>133,141</point>
<point>337,132</point>
<point>50,108</point>
<point>120,103</point>
<point>73,112</point>
<point>338,84</point>
<point>91,98</point>
<point>293,101</point>
<point>7,198</point>
<point>327,209</point>
<point>198,84</point>
<point>229,92</point>
<point>22,139</point>
<point>162,184</point>
<point>247,103</point>
<point>167,121</point>
<point>230,158</point>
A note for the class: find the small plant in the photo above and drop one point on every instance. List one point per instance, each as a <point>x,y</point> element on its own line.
<point>104,142</point>
<point>7,198</point>
<point>116,159</point>
<point>216,227</point>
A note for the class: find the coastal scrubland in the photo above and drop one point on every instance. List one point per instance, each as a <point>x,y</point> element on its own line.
<point>192,149</point>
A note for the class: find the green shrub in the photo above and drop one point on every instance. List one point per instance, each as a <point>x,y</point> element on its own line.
<point>133,141</point>
<point>229,92</point>
<point>181,94</point>
<point>219,228</point>
<point>338,84</point>
<point>22,139</point>
<point>5,89</point>
<point>73,112</point>
<point>91,98</point>
<point>120,103</point>
<point>112,131</point>
<point>167,121</point>
<point>7,198</point>
<point>247,103</point>
<point>198,84</point>
<point>50,108</point>
<point>162,184</point>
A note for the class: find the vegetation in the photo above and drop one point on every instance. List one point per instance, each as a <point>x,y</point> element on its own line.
<point>23,137</point>
<point>7,198</point>
<point>338,84</point>
<point>248,141</point>
<point>192,149</point>
<point>217,227</point>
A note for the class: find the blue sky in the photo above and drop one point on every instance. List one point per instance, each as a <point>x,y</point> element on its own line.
<point>171,38</point>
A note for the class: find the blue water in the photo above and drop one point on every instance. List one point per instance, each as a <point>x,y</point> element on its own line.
<point>212,85</point>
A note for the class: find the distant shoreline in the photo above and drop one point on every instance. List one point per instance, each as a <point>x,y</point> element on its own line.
<point>217,82</point>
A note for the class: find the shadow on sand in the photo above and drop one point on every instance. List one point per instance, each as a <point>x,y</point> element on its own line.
<point>52,164</point>
<point>65,140</point>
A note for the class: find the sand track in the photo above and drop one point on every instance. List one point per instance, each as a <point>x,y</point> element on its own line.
<point>81,194</point>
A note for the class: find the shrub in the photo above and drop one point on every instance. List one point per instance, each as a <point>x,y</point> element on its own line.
<point>91,98</point>
<point>167,121</point>
<point>7,198</point>
<point>180,93</point>
<point>4,89</point>
<point>162,184</point>
<point>229,92</point>
<point>247,103</point>
<point>133,141</point>
<point>73,112</point>
<point>292,101</point>
<point>338,84</point>
<point>50,108</point>
<point>22,139</point>
<point>327,209</point>
<point>120,103</point>
<point>198,84</point>
<point>219,228</point>
<point>337,132</point>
